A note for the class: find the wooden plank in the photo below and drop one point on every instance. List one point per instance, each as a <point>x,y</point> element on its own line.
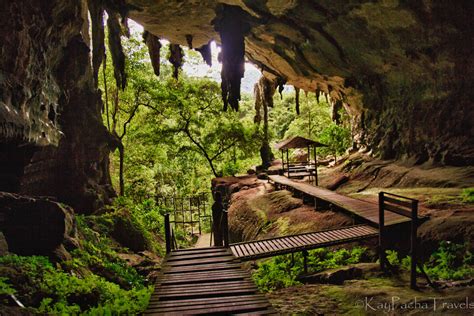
<point>314,238</point>
<point>200,256</point>
<point>207,303</point>
<point>202,278</point>
<point>200,261</point>
<point>257,247</point>
<point>306,239</point>
<point>253,245</point>
<point>205,287</point>
<point>270,245</point>
<point>303,240</point>
<point>227,309</point>
<point>208,292</point>
<point>200,250</point>
<point>208,267</point>
<point>343,234</point>
<point>290,241</point>
<point>397,209</point>
<point>199,301</point>
<point>397,201</point>
<point>280,243</point>
<point>235,251</point>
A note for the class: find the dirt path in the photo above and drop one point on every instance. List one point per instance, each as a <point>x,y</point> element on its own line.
<point>203,241</point>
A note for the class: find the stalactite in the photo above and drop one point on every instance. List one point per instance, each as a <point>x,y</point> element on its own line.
<point>264,90</point>
<point>116,49</point>
<point>258,104</point>
<point>154,47</point>
<point>318,93</point>
<point>205,51</point>
<point>297,100</point>
<point>96,11</point>
<point>176,58</point>
<point>336,117</point>
<point>280,83</point>
<point>189,40</point>
<point>232,29</point>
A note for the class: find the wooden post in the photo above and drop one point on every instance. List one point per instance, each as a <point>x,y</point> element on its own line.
<point>414,258</point>
<point>288,162</point>
<point>183,212</point>
<point>381,232</point>
<point>191,215</point>
<point>167,233</point>
<point>282,162</point>
<point>305,261</point>
<point>315,166</point>
<point>225,223</point>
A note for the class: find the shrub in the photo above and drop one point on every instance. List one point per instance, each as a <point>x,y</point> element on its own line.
<point>51,290</point>
<point>450,261</point>
<point>282,271</point>
<point>467,195</point>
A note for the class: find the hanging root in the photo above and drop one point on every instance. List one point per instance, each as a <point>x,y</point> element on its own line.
<point>154,47</point>
<point>116,49</point>
<point>205,51</point>
<point>297,100</point>
<point>176,58</point>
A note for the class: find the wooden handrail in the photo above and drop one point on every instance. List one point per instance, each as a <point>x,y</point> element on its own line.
<point>409,209</point>
<point>168,239</point>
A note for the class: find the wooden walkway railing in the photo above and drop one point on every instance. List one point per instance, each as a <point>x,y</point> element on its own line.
<point>367,211</point>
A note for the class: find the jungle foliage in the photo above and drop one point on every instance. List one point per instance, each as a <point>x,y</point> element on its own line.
<point>283,271</point>
<point>173,137</point>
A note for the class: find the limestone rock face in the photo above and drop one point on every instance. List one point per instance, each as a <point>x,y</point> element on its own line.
<point>52,140</point>
<point>402,69</point>
<point>35,226</point>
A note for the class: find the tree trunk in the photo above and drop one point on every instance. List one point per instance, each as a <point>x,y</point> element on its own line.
<point>121,149</point>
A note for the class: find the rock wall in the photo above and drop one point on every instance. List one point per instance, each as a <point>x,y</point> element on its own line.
<point>401,68</point>
<point>52,139</point>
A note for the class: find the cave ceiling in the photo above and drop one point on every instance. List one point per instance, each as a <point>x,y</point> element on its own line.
<point>313,45</point>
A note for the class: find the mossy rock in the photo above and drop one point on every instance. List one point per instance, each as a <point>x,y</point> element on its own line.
<point>129,232</point>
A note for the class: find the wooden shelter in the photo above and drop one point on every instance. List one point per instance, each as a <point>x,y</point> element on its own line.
<point>299,169</point>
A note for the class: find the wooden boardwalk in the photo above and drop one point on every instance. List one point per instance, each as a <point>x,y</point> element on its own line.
<point>365,210</point>
<point>205,281</point>
<point>289,244</point>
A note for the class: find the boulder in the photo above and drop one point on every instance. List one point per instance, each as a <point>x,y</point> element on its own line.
<point>129,233</point>
<point>339,275</point>
<point>35,226</point>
